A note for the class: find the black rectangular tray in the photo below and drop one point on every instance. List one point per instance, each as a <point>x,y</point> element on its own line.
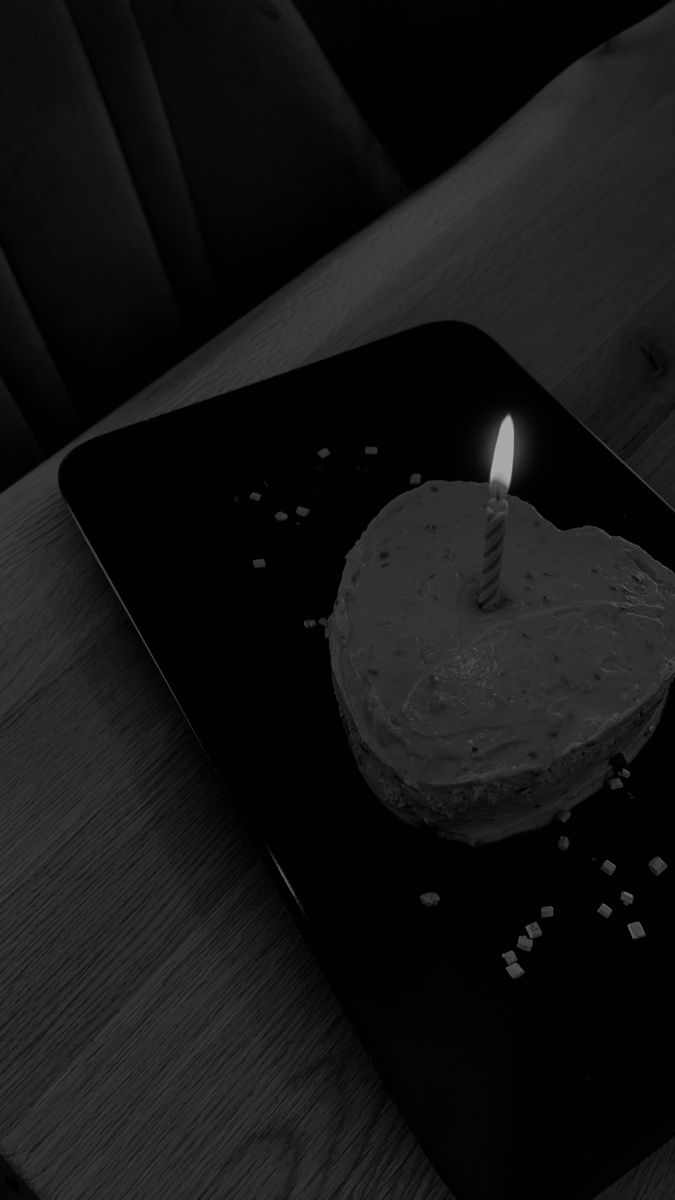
<point>550,1085</point>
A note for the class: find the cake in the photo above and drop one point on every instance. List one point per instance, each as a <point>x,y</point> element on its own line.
<point>481,725</point>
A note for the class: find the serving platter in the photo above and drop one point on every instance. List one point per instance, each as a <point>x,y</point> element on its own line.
<point>223,529</point>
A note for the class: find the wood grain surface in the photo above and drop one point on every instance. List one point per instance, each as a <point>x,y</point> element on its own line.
<point>165,1030</point>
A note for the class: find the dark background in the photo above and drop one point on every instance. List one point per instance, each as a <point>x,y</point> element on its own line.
<point>435,77</point>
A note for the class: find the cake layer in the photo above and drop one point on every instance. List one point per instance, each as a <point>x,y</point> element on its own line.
<point>462,708</point>
<point>480,814</point>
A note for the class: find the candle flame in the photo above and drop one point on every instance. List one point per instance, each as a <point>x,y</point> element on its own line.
<point>502,460</point>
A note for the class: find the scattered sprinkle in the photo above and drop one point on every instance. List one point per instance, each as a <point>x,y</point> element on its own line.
<point>309,622</point>
<point>281,516</point>
<point>255,495</point>
<point>627,897</point>
<point>509,957</point>
<point>657,865</point>
<point>416,477</point>
<point>259,562</point>
<point>524,943</point>
<point>625,772</point>
<point>547,910</point>
<point>564,815</point>
<point>605,910</point>
<point>429,898</point>
<point>615,784</point>
<point>323,621</point>
<point>534,929</point>
<point>323,453</point>
<point>650,729</point>
<point>302,512</point>
<point>515,970</point>
<point>564,843</point>
<point>636,930</point>
<point>608,867</point>
<point>370,449</point>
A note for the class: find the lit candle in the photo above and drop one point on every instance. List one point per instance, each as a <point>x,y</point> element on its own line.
<point>496,514</point>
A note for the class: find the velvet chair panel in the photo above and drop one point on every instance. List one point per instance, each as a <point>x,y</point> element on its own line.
<point>164,165</point>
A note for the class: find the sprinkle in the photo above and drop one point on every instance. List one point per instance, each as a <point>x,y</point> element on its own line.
<point>627,897</point>
<point>605,910</point>
<point>563,843</point>
<point>259,562</point>
<point>302,512</point>
<point>547,910</point>
<point>625,772</point>
<point>429,898</point>
<point>309,623</point>
<point>509,957</point>
<point>323,621</point>
<point>615,783</point>
<point>416,477</point>
<point>636,930</point>
<point>564,815</point>
<point>524,943</point>
<point>515,970</point>
<point>281,516</point>
<point>534,929</point>
<point>657,865</point>
<point>323,453</point>
<point>650,729</point>
<point>255,496</point>
<point>608,867</point>
<point>370,449</point>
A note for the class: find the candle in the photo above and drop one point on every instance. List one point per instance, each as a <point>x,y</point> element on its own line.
<point>496,513</point>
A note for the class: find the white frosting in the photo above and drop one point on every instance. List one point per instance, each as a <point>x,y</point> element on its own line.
<point>446,693</point>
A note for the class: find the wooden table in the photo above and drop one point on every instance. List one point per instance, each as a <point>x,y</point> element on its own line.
<point>165,1030</point>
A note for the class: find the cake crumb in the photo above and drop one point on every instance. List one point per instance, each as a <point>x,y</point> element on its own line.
<point>370,450</point>
<point>255,495</point>
<point>416,477</point>
<point>515,970</point>
<point>547,910</point>
<point>259,562</point>
<point>627,897</point>
<point>323,453</point>
<point>309,623</point>
<point>563,843</point>
<point>524,943</point>
<point>564,815</point>
<point>281,516</point>
<point>533,929</point>
<point>429,899</point>
<point>608,867</point>
<point>302,512</point>
<point>509,957</point>
<point>605,910</point>
<point>657,865</point>
<point>625,773</point>
<point>323,621</point>
<point>615,784</point>
<point>636,929</point>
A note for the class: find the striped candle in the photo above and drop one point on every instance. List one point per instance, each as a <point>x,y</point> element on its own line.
<point>496,513</point>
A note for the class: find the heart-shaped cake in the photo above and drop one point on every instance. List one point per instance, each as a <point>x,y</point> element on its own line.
<point>486,724</point>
